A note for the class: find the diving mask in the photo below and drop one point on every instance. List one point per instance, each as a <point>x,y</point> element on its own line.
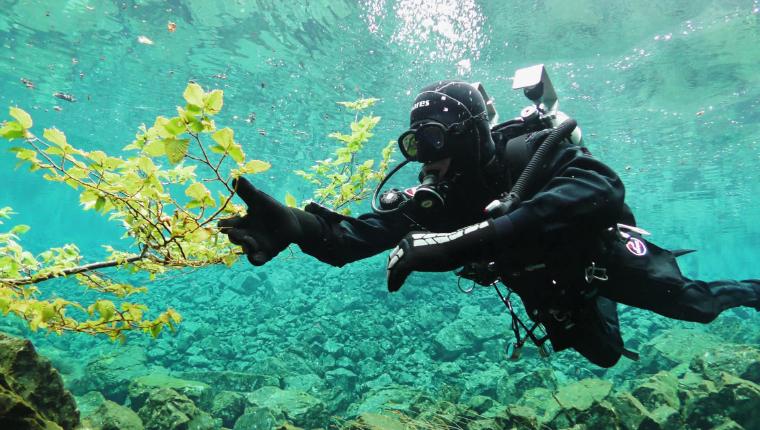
<point>429,140</point>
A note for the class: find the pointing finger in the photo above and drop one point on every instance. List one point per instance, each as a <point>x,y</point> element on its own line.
<point>228,223</point>
<point>252,196</point>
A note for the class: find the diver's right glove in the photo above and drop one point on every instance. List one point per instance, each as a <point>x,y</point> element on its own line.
<point>268,227</point>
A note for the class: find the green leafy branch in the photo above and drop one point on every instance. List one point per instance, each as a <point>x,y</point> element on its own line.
<point>162,196</point>
<point>168,231</point>
<point>342,179</point>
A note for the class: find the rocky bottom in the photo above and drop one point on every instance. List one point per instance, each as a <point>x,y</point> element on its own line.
<point>716,389</point>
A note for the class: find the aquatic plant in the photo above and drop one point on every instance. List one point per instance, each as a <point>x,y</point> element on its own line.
<point>342,179</point>
<point>163,193</point>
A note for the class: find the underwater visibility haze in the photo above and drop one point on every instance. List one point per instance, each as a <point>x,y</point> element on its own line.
<point>666,93</point>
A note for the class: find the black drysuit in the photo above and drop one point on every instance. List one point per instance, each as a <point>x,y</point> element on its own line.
<point>563,237</point>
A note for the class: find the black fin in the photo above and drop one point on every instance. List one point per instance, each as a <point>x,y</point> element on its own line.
<point>631,355</point>
<point>680,252</point>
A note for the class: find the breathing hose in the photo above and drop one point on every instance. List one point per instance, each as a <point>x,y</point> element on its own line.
<point>504,206</point>
<point>381,185</point>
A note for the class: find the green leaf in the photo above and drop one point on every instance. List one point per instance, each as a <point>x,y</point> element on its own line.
<point>156,330</point>
<point>20,229</point>
<point>159,129</point>
<point>197,191</point>
<point>175,126</point>
<point>6,212</point>
<point>176,149</point>
<point>78,172</point>
<point>252,167</point>
<point>194,109</point>
<point>100,203</point>
<point>53,150</point>
<point>224,137</point>
<point>56,137</point>
<point>257,166</point>
<point>22,117</point>
<point>183,174</point>
<point>98,157</point>
<point>155,148</point>
<point>174,315</point>
<point>230,259</point>
<point>226,144</point>
<point>12,130</point>
<point>194,94</point>
<point>200,235</point>
<point>290,201</point>
<point>105,308</point>
<point>346,191</point>
<point>360,104</point>
<point>146,165</point>
<point>236,153</point>
<point>213,101</point>
<point>25,154</point>
<point>195,126</point>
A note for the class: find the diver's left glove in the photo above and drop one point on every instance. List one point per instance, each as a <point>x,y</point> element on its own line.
<point>439,252</point>
<point>268,227</point>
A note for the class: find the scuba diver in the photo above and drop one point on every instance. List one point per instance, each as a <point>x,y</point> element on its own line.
<point>521,202</point>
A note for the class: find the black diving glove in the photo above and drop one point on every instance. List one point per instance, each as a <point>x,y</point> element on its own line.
<point>439,252</point>
<point>268,227</point>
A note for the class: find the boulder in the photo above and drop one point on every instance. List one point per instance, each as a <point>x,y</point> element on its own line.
<point>111,374</point>
<point>629,410</point>
<point>692,386</point>
<point>89,403</point>
<point>166,409</point>
<point>481,404</point>
<point>734,398</point>
<point>657,390</point>
<point>541,404</point>
<point>307,382</point>
<point>729,425</point>
<point>341,379</point>
<point>379,383</point>
<point>140,387</point>
<point>228,406</point>
<point>674,347</point>
<point>370,421</point>
<point>483,383</point>
<point>443,414</point>
<point>468,332</point>
<point>111,416</point>
<point>588,400</point>
<point>518,417</point>
<point>298,407</point>
<point>583,400</point>
<point>484,424</point>
<point>601,415</point>
<point>233,381</point>
<point>739,360</point>
<point>582,394</point>
<point>510,387</point>
<point>256,418</point>
<point>450,369</point>
<point>662,418</point>
<point>31,390</point>
<point>383,398</point>
<point>17,413</point>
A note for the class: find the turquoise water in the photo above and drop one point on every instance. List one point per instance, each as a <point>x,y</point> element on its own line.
<point>667,93</point>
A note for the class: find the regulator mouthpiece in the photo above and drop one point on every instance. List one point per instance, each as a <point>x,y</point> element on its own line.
<point>430,194</point>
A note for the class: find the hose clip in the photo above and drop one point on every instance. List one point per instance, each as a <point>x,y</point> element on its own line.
<point>595,273</point>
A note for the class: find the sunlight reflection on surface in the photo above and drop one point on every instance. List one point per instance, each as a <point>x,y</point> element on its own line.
<point>450,30</point>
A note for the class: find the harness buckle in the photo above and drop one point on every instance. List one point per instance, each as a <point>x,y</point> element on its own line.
<point>592,272</point>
